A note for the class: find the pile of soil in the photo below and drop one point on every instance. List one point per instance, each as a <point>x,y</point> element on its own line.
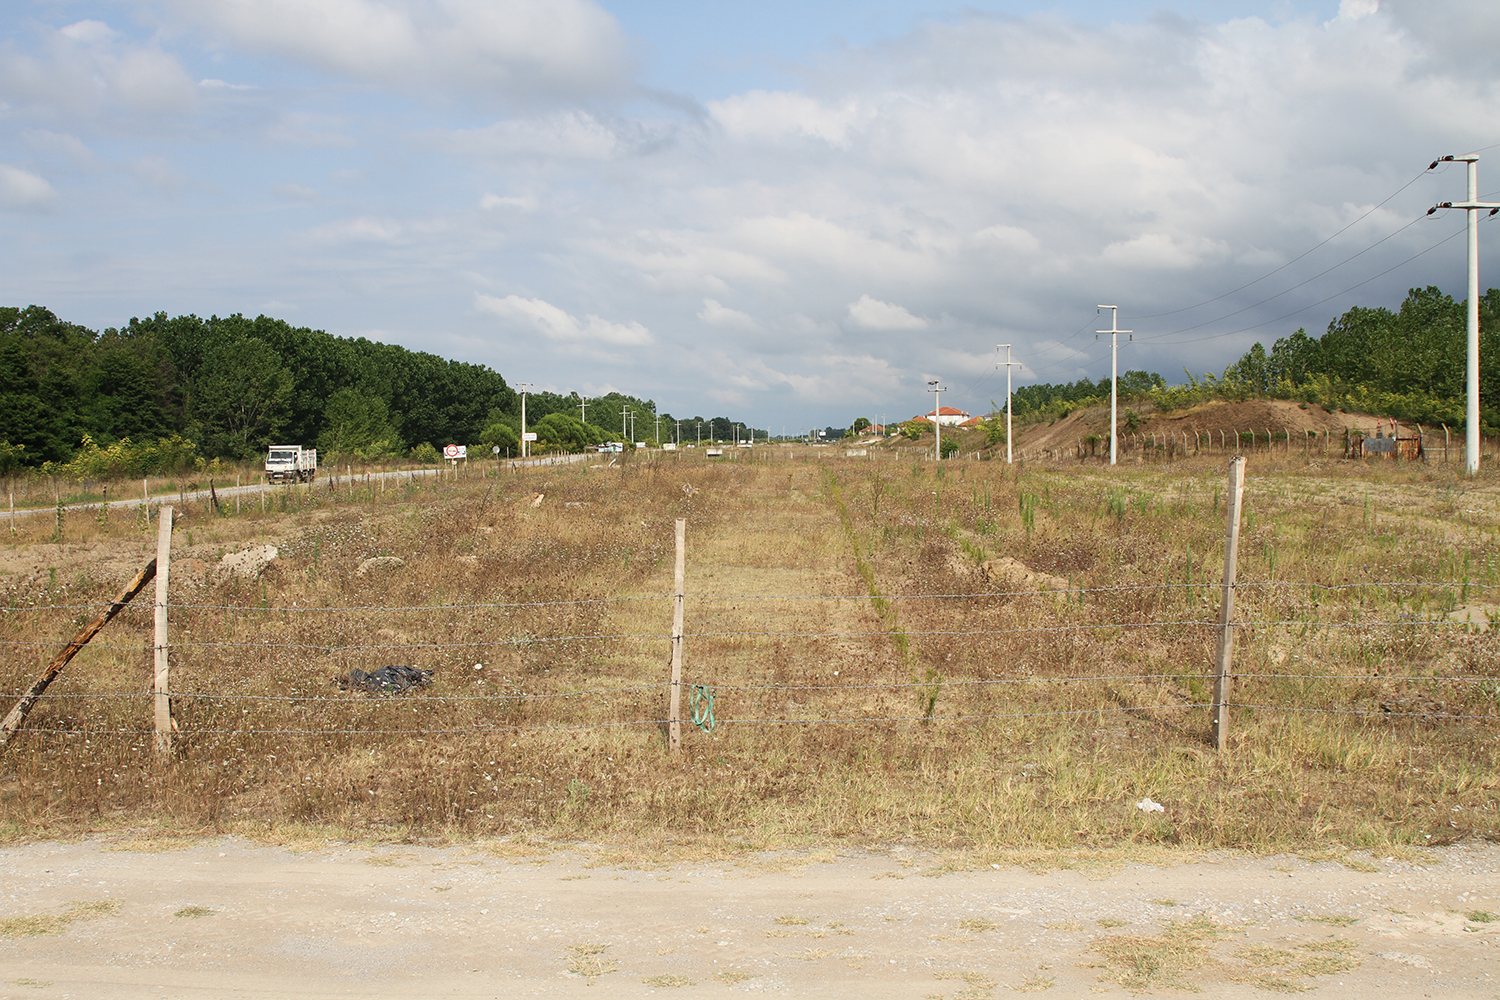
<point>1259,415</point>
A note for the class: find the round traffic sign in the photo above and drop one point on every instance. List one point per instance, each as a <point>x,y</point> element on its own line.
<point>450,451</point>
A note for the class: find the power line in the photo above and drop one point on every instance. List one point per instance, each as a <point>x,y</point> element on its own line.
<point>1173,312</point>
<point>1313,305</point>
<point>1272,298</point>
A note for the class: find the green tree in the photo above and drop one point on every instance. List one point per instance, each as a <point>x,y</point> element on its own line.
<point>562,432</point>
<point>238,395</point>
<point>358,423</point>
<point>502,435</point>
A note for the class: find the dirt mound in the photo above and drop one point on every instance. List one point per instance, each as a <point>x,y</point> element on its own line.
<point>1278,416</point>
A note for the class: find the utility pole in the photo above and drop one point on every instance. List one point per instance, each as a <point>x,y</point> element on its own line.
<point>937,423</point>
<point>1472,206</point>
<point>700,431</point>
<point>656,431</point>
<point>677,439</point>
<point>1008,365</point>
<point>1114,332</point>
<point>583,410</point>
<point>623,411</point>
<point>524,386</point>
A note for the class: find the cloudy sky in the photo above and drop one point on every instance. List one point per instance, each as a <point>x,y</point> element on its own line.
<point>789,213</point>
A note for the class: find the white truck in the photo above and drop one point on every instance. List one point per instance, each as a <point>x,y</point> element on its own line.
<point>286,463</point>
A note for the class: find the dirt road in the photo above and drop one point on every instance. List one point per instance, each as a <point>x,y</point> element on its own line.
<point>228,918</point>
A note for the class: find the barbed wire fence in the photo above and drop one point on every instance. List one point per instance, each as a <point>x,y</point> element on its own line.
<point>515,667</point>
<point>1422,651</point>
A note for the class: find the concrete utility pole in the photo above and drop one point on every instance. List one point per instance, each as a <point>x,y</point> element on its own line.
<point>937,423</point>
<point>656,431</point>
<point>583,410</point>
<point>1114,332</point>
<point>523,386</point>
<point>1009,364</point>
<point>623,433</point>
<point>1473,207</point>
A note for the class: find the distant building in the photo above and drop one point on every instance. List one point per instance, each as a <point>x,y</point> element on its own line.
<point>947,416</point>
<point>971,422</point>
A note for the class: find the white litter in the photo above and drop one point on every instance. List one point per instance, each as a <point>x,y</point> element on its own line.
<point>1147,806</point>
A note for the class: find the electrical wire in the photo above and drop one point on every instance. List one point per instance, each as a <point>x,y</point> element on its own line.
<point>1232,291</point>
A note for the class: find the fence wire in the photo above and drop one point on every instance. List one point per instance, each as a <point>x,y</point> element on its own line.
<point>1013,676</point>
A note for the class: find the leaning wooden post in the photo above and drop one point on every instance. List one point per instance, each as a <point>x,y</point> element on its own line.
<point>18,714</point>
<point>1226,607</point>
<point>674,712</point>
<point>159,685</point>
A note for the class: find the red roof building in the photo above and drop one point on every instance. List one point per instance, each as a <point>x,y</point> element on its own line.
<point>947,416</point>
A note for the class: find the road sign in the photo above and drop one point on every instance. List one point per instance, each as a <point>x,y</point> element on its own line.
<point>495,450</point>
<point>451,451</point>
<point>529,436</point>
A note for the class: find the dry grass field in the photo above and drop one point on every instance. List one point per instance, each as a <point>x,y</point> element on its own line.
<point>878,676</point>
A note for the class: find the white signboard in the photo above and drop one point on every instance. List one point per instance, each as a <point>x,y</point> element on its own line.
<point>669,446</point>
<point>529,436</point>
<point>456,451</point>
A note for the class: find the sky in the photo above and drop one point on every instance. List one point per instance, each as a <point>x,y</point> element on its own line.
<point>791,214</point>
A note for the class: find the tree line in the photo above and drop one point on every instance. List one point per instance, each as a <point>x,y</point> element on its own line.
<point>163,393</point>
<point>1409,363</point>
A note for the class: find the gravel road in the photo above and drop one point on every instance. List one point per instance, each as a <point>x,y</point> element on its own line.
<point>231,918</point>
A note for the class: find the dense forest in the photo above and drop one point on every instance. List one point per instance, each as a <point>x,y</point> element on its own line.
<point>1409,364</point>
<point>164,393</point>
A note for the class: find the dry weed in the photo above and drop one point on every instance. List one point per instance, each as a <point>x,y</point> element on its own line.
<point>928,706</point>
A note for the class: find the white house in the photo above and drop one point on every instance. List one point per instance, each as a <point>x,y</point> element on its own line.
<point>947,416</point>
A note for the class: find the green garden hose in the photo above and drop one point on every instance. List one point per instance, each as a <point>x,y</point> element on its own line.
<point>701,702</point>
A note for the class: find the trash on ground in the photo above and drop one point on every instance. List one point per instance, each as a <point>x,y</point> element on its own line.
<point>394,679</point>
<point>1147,806</point>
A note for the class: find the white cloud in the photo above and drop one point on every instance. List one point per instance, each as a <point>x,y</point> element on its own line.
<point>1012,238</point>
<point>293,192</point>
<point>556,324</point>
<point>1159,251</point>
<point>479,49</point>
<point>524,203</point>
<point>22,190</point>
<point>873,314</point>
<point>565,135</point>
<point>776,115</point>
<point>715,314</point>
<point>363,229</point>
<point>61,144</point>
<point>87,67</point>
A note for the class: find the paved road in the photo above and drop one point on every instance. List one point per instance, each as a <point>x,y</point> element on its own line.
<point>323,482</point>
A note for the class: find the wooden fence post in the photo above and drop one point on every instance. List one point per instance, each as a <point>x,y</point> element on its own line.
<point>1225,654</point>
<point>160,673</point>
<point>18,713</point>
<point>674,712</point>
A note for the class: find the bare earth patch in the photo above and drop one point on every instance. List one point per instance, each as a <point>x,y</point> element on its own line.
<point>324,922</point>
